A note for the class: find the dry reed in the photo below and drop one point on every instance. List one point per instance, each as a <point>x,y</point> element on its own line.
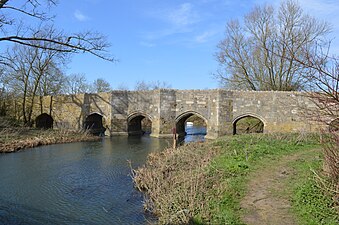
<point>330,143</point>
<point>178,184</point>
<point>16,138</point>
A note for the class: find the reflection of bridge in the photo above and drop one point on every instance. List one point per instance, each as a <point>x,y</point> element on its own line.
<point>122,112</point>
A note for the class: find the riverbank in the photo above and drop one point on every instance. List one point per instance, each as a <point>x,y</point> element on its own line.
<point>218,182</point>
<point>13,139</point>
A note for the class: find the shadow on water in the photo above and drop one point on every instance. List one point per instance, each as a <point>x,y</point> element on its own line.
<point>77,183</point>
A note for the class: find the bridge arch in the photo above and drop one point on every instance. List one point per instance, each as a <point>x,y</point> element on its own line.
<point>95,122</point>
<point>139,123</point>
<point>44,121</point>
<point>182,118</point>
<point>251,123</point>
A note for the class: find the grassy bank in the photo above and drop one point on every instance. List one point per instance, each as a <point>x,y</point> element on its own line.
<point>204,183</point>
<point>14,138</point>
<point>312,202</point>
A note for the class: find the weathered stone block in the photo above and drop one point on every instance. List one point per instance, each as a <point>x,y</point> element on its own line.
<point>220,109</point>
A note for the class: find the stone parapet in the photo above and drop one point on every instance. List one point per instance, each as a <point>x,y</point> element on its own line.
<point>169,108</point>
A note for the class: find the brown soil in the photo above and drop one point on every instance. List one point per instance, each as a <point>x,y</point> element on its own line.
<point>263,204</point>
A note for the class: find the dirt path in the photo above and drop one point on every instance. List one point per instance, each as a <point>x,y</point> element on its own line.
<point>262,204</point>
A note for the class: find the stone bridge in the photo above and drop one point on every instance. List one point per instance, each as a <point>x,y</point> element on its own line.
<point>121,112</point>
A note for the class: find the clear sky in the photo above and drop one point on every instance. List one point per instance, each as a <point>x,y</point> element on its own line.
<point>172,41</point>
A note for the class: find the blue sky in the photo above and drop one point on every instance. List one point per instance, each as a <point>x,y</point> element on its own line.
<point>172,41</point>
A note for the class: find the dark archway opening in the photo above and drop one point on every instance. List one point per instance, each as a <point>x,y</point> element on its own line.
<point>44,121</point>
<point>248,124</point>
<point>139,125</point>
<point>94,125</point>
<point>190,128</point>
<point>334,125</point>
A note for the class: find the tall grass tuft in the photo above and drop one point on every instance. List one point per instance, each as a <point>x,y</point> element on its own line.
<point>330,143</point>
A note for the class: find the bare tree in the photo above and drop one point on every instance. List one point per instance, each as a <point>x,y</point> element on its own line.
<point>146,86</point>
<point>53,82</point>
<point>160,85</point>
<point>324,92</point>
<point>141,86</point>
<point>326,98</point>
<point>122,87</point>
<point>27,68</point>
<point>101,85</point>
<point>257,54</point>
<point>15,31</point>
<point>76,84</point>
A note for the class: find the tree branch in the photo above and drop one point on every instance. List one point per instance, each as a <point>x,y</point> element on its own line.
<point>74,44</point>
<point>89,42</point>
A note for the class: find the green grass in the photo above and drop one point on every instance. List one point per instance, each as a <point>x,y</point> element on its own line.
<point>203,183</point>
<point>311,203</point>
<point>242,155</point>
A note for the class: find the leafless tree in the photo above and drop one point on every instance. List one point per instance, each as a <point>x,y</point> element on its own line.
<point>53,82</point>
<point>142,86</point>
<point>257,54</point>
<point>76,84</point>
<point>14,30</point>
<point>122,87</point>
<point>155,85</point>
<point>26,70</point>
<point>101,85</point>
<point>160,85</point>
<point>324,92</point>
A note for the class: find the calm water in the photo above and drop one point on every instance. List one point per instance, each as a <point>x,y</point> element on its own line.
<point>77,183</point>
<point>195,133</point>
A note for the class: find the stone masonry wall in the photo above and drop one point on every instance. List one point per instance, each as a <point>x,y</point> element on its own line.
<point>279,111</point>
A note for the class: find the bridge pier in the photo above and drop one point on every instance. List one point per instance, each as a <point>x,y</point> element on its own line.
<point>220,109</point>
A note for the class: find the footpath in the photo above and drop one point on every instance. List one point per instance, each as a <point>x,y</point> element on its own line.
<point>267,199</point>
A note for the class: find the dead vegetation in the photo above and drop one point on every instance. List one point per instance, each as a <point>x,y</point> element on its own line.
<point>326,114</point>
<point>14,137</point>
<point>179,184</point>
<point>202,183</point>
<point>330,144</point>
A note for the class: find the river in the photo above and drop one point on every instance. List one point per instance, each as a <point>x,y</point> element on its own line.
<point>76,183</point>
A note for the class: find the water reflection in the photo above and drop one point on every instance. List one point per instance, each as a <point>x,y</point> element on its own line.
<point>194,134</point>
